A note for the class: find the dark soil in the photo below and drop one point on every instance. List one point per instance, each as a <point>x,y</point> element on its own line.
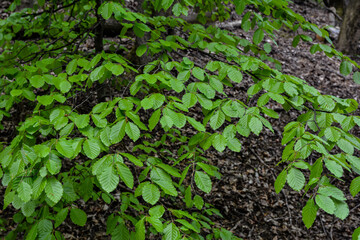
<point>245,194</point>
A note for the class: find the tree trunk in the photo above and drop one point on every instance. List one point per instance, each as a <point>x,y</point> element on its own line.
<point>350,29</point>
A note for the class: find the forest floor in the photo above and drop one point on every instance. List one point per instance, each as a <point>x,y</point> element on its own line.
<point>245,194</point>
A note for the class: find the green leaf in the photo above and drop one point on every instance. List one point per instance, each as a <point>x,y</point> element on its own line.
<point>345,68</point>
<point>45,225</point>
<point>234,75</point>
<point>356,234</point>
<point>133,159</point>
<point>280,181</point>
<point>356,77</point>
<point>53,164</point>
<point>28,208</point>
<point>91,148</point>
<point>82,121</point>
<point>97,73</point>
<point>78,216</point>
<point>132,131</point>
<point>108,179</point>
<point>33,232</point>
<point>355,161</point>
<point>198,202</point>
<point>326,103</point>
<point>64,147</point>
<point>61,216</point>
<point>342,209</point>
<point>332,192</point>
<point>325,203</point>
<point>309,213</point>
<point>171,232</point>
<point>117,132</point>
<point>171,170</point>
<point>54,190</point>
<point>267,47</point>
<point>161,178</point>
<point>16,92</point>
<point>187,225</point>
<point>334,168</point>
<point>355,186</point>
<point>25,191</point>
<point>219,142</point>
<point>45,99</point>
<point>346,146</point>
<point>114,68</point>
<point>332,134</point>
<point>255,125</point>
<point>189,99</point>
<point>151,193</point>
<point>107,10</point>
<point>198,73</point>
<point>203,181</point>
<point>157,211</point>
<point>258,36</point>
<point>197,125</point>
<point>141,50</point>
<point>125,174</point>
<point>217,120</point>
<point>154,119</point>
<point>71,67</point>
<point>234,144</point>
<point>98,121</point>
<point>295,179</point>
<point>37,81</point>
<point>177,85</point>
<point>140,229</point>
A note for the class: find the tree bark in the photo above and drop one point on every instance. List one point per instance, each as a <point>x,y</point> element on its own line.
<point>350,29</point>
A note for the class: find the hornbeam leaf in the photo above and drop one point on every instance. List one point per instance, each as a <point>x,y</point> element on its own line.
<point>107,10</point>
<point>161,178</point>
<point>61,216</point>
<point>117,132</point>
<point>132,131</point>
<point>234,75</point>
<point>71,67</point>
<point>91,148</point>
<point>258,36</point>
<point>140,229</point>
<point>355,186</point>
<point>151,193</point>
<point>25,191</point>
<point>255,125</point>
<point>171,232</point>
<point>64,147</point>
<point>97,73</point>
<point>295,179</point>
<point>203,181</point>
<point>332,134</point>
<point>217,119</point>
<point>346,146</point>
<point>82,121</point>
<point>309,213</point>
<point>197,125</point>
<point>325,203</point>
<point>108,179</point>
<point>280,181</point>
<point>54,190</point>
<point>125,174</point>
<point>154,119</point>
<point>219,142</point>
<point>342,209</point>
<point>345,68</point>
<point>78,216</point>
